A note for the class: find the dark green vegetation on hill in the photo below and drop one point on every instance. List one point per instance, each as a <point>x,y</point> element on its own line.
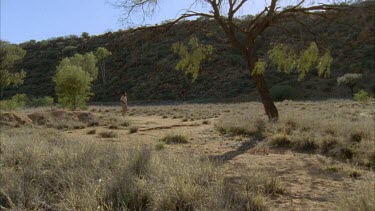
<point>143,64</point>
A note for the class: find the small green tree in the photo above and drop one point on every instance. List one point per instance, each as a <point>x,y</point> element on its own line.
<point>73,80</point>
<point>42,101</point>
<point>85,36</point>
<point>73,86</point>
<point>9,56</point>
<point>349,80</point>
<point>101,55</point>
<point>362,96</point>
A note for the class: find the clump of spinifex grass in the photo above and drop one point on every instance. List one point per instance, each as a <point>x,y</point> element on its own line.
<point>174,139</point>
<point>241,125</point>
<point>60,173</point>
<point>340,138</point>
<point>108,134</point>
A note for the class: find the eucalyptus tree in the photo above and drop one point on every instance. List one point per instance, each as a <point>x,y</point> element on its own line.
<point>73,80</point>
<point>101,55</point>
<point>349,80</point>
<point>242,35</point>
<point>10,55</point>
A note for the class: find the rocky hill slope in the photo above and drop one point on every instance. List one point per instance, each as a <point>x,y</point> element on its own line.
<point>143,64</point>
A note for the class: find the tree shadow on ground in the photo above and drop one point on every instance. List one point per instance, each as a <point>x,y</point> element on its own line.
<point>245,146</point>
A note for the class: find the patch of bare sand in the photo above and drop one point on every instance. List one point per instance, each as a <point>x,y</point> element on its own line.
<point>308,185</point>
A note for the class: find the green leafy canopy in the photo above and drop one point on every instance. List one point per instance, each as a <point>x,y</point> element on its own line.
<point>86,62</point>
<point>10,54</point>
<point>73,86</point>
<point>73,80</point>
<point>286,60</point>
<point>191,56</point>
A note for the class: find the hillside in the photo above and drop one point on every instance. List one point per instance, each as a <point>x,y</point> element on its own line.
<point>142,62</point>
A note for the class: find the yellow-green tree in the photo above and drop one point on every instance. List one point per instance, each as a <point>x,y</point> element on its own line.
<point>73,80</point>
<point>10,55</point>
<point>243,35</point>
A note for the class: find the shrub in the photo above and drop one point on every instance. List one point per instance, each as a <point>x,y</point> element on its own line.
<point>42,101</point>
<point>133,129</point>
<point>113,126</point>
<point>280,140</point>
<point>17,101</point>
<point>125,124</point>
<point>8,105</point>
<point>159,146</point>
<point>306,142</point>
<point>328,144</point>
<point>91,132</point>
<point>362,96</point>
<point>362,198</point>
<point>241,126</point>
<point>108,134</point>
<point>21,100</point>
<point>174,139</point>
<point>349,80</point>
<point>280,93</point>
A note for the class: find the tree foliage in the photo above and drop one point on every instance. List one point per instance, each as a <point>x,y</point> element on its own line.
<point>10,55</point>
<point>349,80</point>
<point>86,62</point>
<point>101,55</point>
<point>73,80</point>
<point>362,96</point>
<point>287,60</point>
<point>243,36</point>
<point>192,55</point>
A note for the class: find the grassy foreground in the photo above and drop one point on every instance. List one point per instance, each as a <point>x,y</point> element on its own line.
<point>43,170</point>
<point>319,156</point>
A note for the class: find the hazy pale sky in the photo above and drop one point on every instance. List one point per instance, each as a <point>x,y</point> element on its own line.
<point>23,20</point>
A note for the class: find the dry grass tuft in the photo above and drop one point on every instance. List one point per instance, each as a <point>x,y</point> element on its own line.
<point>43,170</point>
<point>133,129</point>
<point>240,125</point>
<point>108,134</point>
<point>113,127</point>
<point>280,140</point>
<point>91,132</point>
<point>363,198</point>
<point>125,124</point>
<point>175,139</point>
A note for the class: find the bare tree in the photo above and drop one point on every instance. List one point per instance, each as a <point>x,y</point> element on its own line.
<point>242,35</point>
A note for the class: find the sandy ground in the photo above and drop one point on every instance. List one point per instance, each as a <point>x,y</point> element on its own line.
<point>309,185</point>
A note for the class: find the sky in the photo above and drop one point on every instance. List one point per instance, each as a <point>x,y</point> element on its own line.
<point>24,20</point>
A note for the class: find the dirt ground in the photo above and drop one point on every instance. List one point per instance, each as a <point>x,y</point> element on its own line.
<point>309,185</point>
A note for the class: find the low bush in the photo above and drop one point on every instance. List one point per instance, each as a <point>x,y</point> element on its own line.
<point>241,126</point>
<point>133,129</point>
<point>21,99</point>
<point>362,198</point>
<point>8,105</point>
<point>280,140</point>
<point>63,174</point>
<point>362,96</point>
<point>108,134</point>
<point>42,101</point>
<point>16,102</point>
<point>175,139</point>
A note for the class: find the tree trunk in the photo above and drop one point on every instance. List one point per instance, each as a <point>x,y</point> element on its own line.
<point>267,101</point>
<point>261,84</point>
